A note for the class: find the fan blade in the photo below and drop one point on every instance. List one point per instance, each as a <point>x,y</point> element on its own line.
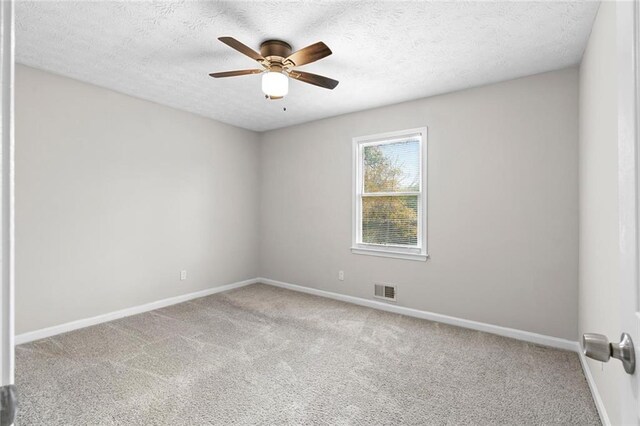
<point>234,73</point>
<point>309,54</point>
<point>315,79</point>
<point>246,50</point>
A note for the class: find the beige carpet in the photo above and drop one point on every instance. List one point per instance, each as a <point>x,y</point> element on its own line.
<point>263,355</point>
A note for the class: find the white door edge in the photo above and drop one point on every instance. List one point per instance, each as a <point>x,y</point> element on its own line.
<point>7,43</point>
<point>628,187</point>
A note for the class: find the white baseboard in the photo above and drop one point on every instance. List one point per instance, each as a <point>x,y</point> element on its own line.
<point>74,325</point>
<point>602,411</point>
<point>540,339</point>
<point>526,336</point>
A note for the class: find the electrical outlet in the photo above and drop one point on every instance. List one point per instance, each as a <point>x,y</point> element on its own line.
<point>183,275</point>
<point>341,275</point>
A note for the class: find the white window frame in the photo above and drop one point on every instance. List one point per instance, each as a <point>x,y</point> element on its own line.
<point>394,251</point>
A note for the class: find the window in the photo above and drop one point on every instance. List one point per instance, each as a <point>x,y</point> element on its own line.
<point>390,202</point>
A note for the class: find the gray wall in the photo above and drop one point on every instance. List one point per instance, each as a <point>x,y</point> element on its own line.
<point>503,205</point>
<point>599,233</point>
<point>115,195</point>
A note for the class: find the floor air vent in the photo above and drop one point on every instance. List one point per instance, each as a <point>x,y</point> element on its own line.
<point>384,291</point>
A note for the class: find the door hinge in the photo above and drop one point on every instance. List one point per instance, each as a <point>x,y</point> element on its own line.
<point>8,399</point>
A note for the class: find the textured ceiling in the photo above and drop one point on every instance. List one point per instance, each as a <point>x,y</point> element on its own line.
<point>383,52</point>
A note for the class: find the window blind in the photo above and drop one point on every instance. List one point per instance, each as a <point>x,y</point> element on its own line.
<point>390,194</point>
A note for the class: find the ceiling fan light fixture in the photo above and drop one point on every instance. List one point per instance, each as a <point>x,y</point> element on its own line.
<point>275,84</point>
<point>278,65</point>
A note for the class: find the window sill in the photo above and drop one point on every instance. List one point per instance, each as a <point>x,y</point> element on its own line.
<point>389,253</point>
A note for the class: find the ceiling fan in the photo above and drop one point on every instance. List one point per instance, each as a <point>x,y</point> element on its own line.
<point>278,65</point>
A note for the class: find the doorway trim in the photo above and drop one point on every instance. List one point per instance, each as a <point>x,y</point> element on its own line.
<point>7,47</point>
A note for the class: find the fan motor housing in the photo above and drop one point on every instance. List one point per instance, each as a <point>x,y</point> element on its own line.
<point>275,50</point>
